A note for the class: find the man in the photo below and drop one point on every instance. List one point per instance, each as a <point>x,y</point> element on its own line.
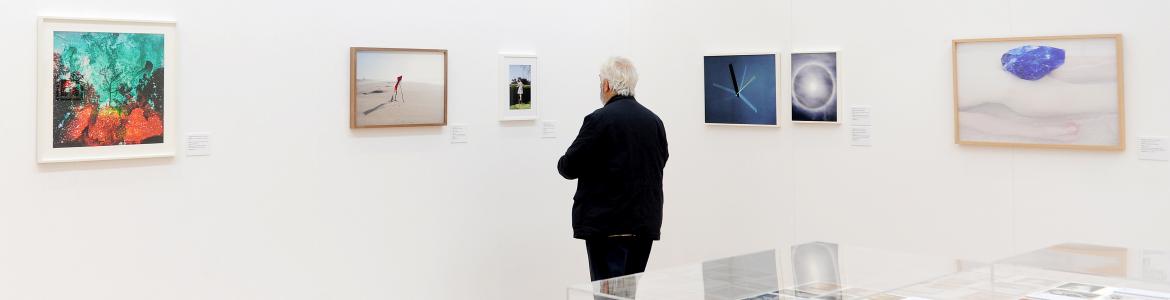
<point>618,159</point>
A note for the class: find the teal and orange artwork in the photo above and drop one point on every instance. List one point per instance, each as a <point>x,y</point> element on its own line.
<point>107,89</point>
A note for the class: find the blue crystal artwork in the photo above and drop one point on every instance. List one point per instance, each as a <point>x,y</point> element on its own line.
<point>1032,62</point>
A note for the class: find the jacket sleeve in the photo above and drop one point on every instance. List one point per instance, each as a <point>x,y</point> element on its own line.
<point>665,144</point>
<point>581,152</point>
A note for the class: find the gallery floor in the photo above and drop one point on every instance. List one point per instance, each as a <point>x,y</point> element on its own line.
<point>255,149</point>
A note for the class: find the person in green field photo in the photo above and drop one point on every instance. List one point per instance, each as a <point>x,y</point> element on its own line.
<point>518,97</point>
<point>519,93</point>
<point>520,75</point>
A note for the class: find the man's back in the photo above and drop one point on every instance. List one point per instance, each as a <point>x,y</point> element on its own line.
<point>618,157</point>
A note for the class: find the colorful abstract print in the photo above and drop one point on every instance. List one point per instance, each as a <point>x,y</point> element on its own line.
<point>107,89</point>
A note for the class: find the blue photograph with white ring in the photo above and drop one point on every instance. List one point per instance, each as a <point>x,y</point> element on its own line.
<point>740,89</point>
<point>814,87</point>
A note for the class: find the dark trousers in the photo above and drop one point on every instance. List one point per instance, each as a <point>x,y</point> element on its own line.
<point>617,256</point>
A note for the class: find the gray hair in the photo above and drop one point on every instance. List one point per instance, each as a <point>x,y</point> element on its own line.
<point>621,75</point>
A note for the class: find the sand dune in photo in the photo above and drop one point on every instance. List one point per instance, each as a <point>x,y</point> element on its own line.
<point>419,103</point>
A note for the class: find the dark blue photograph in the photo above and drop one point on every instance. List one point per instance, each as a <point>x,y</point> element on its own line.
<point>740,89</point>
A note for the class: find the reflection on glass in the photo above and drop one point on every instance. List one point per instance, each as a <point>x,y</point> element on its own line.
<point>1078,258</point>
<point>815,267</point>
<point>740,277</point>
<point>825,271</point>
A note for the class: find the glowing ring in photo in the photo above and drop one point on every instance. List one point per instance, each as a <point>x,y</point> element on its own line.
<point>831,99</point>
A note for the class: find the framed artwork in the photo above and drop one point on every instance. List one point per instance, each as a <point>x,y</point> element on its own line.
<point>105,89</point>
<point>814,87</point>
<point>395,87</point>
<point>740,89</point>
<point>518,98</point>
<point>1048,92</point>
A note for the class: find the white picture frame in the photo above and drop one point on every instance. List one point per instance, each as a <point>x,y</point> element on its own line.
<point>775,84</point>
<point>512,101</point>
<point>50,152</point>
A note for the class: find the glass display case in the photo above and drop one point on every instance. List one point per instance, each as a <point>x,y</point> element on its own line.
<point>1060,272</point>
<point>825,271</point>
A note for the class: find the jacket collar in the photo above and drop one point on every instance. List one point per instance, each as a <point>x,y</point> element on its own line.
<point>618,98</point>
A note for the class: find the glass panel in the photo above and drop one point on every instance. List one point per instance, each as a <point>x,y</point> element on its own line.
<point>1061,272</point>
<point>740,277</point>
<point>1104,261</point>
<point>823,271</point>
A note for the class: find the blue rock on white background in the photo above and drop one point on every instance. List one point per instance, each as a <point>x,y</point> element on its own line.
<point>1032,62</point>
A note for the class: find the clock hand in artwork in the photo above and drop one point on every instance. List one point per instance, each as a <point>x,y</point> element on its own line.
<point>736,93</point>
<point>731,70</point>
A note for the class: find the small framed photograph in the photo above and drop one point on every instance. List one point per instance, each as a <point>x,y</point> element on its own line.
<point>397,87</point>
<point>740,90</point>
<point>814,87</point>
<point>518,84</point>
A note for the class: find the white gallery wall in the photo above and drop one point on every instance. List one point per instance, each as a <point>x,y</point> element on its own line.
<point>980,200</point>
<point>295,205</point>
<point>913,189</point>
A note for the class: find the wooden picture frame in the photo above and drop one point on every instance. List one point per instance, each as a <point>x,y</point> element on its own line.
<point>1117,51</point>
<point>354,80</point>
<point>133,123</point>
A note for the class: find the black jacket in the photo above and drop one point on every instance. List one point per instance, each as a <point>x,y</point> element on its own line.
<point>618,159</point>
